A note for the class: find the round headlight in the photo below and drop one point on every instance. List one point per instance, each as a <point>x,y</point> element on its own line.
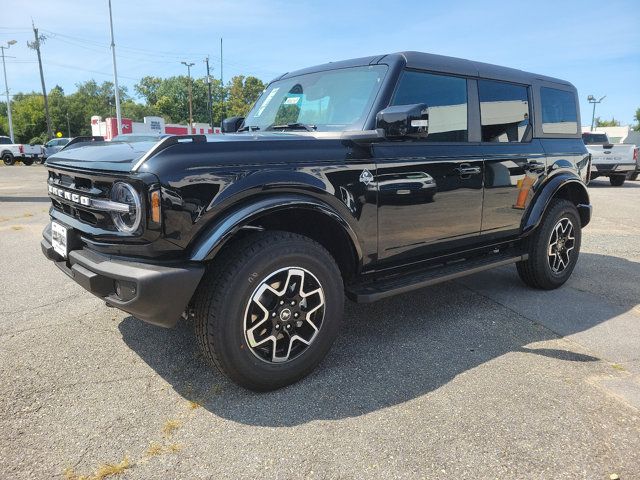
<point>124,193</point>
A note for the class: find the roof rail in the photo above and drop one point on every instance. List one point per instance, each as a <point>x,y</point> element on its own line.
<point>83,139</point>
<point>165,143</point>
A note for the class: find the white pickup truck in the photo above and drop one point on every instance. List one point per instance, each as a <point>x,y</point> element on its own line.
<point>10,152</point>
<point>619,162</point>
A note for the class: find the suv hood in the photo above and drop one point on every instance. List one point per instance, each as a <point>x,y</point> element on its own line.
<point>122,156</point>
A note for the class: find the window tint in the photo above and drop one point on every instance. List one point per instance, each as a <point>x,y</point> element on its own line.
<point>5,141</point>
<point>504,111</point>
<point>446,99</point>
<point>559,112</point>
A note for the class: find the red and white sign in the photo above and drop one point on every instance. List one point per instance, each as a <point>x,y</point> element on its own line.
<point>156,125</point>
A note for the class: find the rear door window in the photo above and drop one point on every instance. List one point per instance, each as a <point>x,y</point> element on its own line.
<point>559,112</point>
<point>446,99</point>
<point>504,112</point>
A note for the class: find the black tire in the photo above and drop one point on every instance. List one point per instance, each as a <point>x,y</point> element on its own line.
<point>27,161</point>
<point>617,180</point>
<point>633,176</point>
<point>8,159</point>
<point>538,271</point>
<point>224,297</point>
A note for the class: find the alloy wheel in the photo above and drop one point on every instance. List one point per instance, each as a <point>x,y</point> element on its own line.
<point>284,315</point>
<point>561,244</point>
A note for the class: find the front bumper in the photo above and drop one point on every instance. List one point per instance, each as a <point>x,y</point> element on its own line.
<point>156,294</point>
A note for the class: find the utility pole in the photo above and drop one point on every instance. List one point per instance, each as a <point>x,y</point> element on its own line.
<point>35,45</point>
<point>189,65</point>
<point>222,81</point>
<point>115,76</point>
<point>592,99</point>
<point>68,126</point>
<point>209,100</point>
<point>6,86</point>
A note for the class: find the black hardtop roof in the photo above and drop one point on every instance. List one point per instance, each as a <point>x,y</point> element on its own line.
<point>437,63</point>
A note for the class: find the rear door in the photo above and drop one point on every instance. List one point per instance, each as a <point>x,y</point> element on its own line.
<point>429,189</point>
<point>514,162</point>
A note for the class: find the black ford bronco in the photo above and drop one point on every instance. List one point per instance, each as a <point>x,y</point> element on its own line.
<point>365,178</point>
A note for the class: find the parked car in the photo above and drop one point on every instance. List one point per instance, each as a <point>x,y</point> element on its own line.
<point>54,146</point>
<point>366,178</point>
<point>10,152</point>
<point>619,161</point>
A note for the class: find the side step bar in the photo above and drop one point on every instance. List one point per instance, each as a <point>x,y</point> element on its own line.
<point>371,291</point>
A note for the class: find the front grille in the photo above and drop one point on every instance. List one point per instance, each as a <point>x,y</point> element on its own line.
<point>78,187</point>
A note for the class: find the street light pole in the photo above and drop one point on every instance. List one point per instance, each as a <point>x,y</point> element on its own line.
<point>209,99</point>
<point>6,85</point>
<point>189,65</point>
<point>115,76</point>
<point>592,99</point>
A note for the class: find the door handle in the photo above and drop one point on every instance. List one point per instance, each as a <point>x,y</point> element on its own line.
<point>466,170</point>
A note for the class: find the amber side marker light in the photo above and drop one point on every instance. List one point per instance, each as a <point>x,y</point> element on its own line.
<point>155,206</point>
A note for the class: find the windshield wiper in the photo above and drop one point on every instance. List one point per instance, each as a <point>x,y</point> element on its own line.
<point>249,128</point>
<point>294,126</point>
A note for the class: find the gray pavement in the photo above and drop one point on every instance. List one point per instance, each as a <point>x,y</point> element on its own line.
<point>479,378</point>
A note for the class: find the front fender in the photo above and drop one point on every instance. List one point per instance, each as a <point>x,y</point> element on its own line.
<point>565,185</point>
<point>223,228</point>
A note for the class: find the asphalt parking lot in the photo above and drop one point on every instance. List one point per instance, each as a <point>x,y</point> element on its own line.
<point>478,378</point>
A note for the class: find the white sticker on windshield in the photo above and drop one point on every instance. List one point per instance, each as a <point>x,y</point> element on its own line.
<point>266,101</point>
<point>292,100</point>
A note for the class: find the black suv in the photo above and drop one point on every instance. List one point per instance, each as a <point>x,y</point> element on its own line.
<point>365,178</point>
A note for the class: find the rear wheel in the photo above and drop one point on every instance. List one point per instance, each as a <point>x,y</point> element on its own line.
<point>617,180</point>
<point>269,309</point>
<point>553,248</point>
<point>8,159</point>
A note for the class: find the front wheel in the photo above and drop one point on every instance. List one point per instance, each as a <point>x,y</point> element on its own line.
<point>269,309</point>
<point>633,176</point>
<point>27,161</point>
<point>617,180</point>
<point>553,248</point>
<point>8,159</point>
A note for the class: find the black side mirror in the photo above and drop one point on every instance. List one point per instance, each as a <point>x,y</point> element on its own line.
<point>231,124</point>
<point>402,121</point>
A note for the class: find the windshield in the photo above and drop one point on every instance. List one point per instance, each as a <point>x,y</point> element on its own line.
<point>333,100</point>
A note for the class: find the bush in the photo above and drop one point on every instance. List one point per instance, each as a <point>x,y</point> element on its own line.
<point>39,140</point>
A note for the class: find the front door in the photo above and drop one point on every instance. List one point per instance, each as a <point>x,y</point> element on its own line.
<point>429,189</point>
<point>429,199</point>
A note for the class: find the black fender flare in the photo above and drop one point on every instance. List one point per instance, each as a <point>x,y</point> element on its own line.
<point>229,223</point>
<point>548,191</point>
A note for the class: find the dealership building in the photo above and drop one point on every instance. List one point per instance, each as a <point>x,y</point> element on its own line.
<point>150,125</point>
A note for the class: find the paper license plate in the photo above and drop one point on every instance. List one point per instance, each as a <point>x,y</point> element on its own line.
<point>59,239</point>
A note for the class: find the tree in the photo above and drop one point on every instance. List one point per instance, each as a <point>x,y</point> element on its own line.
<point>636,127</point>
<point>169,98</point>
<point>242,94</point>
<point>607,123</point>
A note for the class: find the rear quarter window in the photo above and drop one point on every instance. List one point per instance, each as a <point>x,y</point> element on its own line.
<point>559,111</point>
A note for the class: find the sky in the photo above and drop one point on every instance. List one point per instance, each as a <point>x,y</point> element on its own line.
<point>592,44</point>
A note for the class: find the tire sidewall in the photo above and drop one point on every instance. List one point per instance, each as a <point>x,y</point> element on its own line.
<point>231,343</point>
<point>8,159</point>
